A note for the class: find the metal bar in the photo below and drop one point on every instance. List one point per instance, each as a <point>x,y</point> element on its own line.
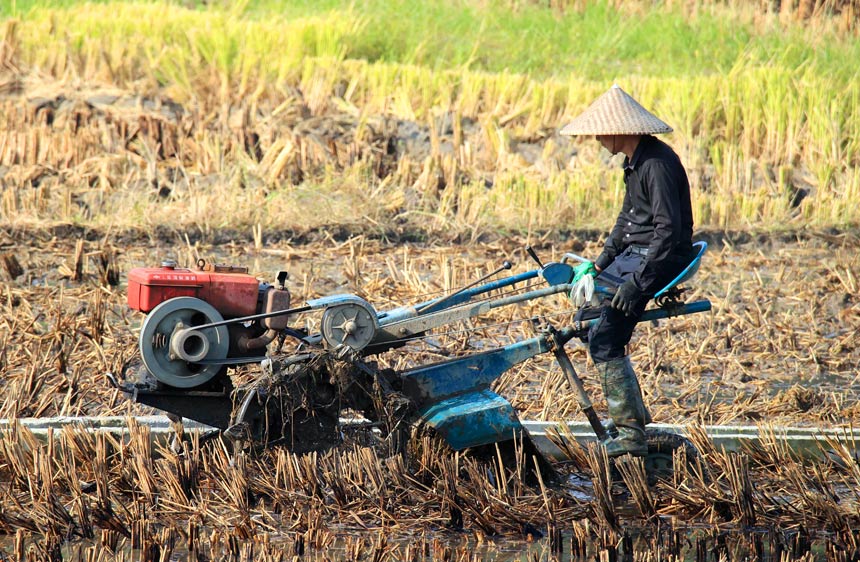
<point>658,313</point>
<point>410,325</point>
<point>252,317</point>
<point>505,265</point>
<point>161,428</point>
<point>418,324</point>
<point>230,361</point>
<point>576,257</point>
<point>465,296</point>
<point>545,292</point>
<point>577,387</point>
<point>805,442</point>
<point>703,305</point>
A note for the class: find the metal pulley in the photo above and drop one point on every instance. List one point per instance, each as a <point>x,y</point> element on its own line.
<point>353,324</point>
<point>174,351</point>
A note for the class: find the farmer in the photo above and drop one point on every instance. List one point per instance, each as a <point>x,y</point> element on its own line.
<point>648,247</point>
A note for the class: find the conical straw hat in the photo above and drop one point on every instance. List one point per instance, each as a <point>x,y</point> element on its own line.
<point>616,113</point>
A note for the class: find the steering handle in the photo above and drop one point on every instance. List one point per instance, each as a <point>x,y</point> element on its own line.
<point>568,256</point>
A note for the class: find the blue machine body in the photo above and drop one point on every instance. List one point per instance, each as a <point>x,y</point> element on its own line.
<point>456,399</point>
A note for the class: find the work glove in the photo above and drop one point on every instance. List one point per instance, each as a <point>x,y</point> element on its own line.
<point>582,291</point>
<point>626,297</point>
<point>583,269</point>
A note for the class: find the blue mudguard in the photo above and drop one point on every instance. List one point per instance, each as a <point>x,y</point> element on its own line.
<point>430,383</point>
<point>473,419</point>
<point>454,397</point>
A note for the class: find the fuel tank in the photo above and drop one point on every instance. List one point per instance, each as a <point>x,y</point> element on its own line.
<point>231,290</point>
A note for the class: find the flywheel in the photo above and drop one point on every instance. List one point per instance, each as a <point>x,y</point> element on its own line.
<point>174,352</point>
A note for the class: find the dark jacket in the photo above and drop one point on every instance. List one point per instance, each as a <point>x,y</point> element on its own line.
<point>657,214</point>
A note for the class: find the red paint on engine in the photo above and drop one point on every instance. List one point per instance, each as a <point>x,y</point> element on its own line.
<point>232,294</point>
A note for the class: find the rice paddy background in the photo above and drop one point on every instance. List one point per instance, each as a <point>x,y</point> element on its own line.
<point>396,149</point>
<point>430,116</point>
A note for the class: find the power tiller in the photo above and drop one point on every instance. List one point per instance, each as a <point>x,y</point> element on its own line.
<point>202,321</point>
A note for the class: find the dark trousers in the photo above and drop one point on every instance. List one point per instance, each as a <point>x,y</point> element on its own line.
<point>609,336</point>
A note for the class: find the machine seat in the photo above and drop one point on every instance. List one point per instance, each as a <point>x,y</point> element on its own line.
<point>688,271</point>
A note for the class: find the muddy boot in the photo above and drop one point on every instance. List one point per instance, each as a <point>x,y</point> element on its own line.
<point>624,401</point>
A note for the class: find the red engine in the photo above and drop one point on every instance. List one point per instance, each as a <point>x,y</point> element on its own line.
<point>177,344</point>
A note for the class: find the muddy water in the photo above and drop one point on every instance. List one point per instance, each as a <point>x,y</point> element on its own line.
<point>669,539</point>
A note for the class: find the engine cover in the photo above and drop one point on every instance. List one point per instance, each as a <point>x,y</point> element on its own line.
<point>231,291</point>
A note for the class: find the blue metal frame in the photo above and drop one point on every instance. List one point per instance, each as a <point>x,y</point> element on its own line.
<point>455,396</point>
<point>553,273</point>
<point>556,274</point>
<point>435,305</point>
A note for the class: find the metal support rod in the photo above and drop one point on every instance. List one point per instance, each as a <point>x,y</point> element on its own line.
<point>576,257</point>
<point>498,284</point>
<point>545,292</point>
<point>505,265</point>
<point>703,305</point>
<point>576,386</point>
<point>654,314</point>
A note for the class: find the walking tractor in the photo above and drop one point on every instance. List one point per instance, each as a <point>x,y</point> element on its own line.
<point>201,321</point>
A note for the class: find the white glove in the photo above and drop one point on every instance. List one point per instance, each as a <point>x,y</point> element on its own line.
<point>583,292</point>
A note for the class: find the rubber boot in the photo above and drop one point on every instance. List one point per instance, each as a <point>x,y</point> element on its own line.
<point>626,408</point>
<point>646,415</point>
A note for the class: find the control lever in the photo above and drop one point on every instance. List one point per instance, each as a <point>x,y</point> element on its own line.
<point>534,256</point>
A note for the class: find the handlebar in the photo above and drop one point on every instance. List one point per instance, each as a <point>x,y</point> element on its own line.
<point>574,257</point>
